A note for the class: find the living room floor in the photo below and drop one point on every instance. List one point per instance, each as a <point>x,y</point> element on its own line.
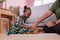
<point>45,36</point>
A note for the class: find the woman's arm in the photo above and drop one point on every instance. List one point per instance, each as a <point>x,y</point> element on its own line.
<point>21,22</point>
<point>46,15</point>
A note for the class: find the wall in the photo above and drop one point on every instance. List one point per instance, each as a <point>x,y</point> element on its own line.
<point>20,3</point>
<point>14,3</point>
<point>1,5</point>
<point>30,3</point>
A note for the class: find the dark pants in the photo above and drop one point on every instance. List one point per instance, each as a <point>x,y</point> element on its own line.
<point>54,29</point>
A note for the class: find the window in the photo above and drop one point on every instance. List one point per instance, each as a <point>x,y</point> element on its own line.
<point>41,2</point>
<point>48,1</point>
<point>38,2</point>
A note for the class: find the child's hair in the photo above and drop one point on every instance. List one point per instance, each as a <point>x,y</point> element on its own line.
<point>26,8</point>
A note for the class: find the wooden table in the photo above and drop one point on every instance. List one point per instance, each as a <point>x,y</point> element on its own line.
<point>5,13</point>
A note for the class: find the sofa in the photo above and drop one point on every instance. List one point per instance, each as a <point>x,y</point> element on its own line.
<point>38,11</point>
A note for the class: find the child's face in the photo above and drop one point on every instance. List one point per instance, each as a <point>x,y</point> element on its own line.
<point>27,13</point>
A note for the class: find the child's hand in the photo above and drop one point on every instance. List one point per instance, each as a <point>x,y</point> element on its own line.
<point>50,24</point>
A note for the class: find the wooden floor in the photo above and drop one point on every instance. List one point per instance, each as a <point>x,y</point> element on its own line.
<point>4,36</point>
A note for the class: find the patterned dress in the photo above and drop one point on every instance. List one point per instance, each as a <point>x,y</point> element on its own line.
<point>15,28</point>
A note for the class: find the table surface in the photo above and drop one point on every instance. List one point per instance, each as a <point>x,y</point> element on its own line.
<point>45,36</point>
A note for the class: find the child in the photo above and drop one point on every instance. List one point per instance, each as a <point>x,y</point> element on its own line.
<point>25,16</point>
<point>20,26</point>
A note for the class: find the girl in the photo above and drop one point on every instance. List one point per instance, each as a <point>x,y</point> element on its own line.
<point>23,20</point>
<point>25,16</point>
<point>20,26</point>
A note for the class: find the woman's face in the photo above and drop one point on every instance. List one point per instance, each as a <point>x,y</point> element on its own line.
<point>27,13</point>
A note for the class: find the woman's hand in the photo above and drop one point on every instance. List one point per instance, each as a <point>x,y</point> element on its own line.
<point>34,25</point>
<point>50,24</point>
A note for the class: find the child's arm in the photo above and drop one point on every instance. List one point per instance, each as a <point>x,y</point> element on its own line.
<point>21,23</point>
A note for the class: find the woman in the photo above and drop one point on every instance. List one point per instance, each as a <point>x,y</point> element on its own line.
<point>51,27</point>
